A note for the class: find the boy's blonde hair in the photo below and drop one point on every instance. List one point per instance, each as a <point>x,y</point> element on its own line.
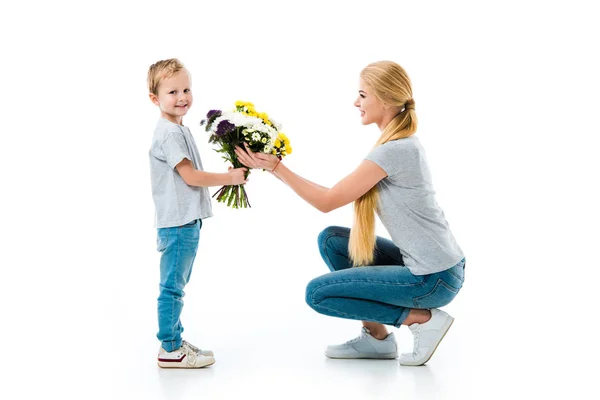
<point>390,85</point>
<point>161,70</point>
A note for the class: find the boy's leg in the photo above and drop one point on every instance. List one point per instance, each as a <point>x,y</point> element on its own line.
<point>178,246</point>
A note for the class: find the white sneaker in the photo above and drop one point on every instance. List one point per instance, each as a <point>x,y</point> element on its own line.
<point>365,346</point>
<point>197,350</point>
<point>427,337</point>
<point>184,357</point>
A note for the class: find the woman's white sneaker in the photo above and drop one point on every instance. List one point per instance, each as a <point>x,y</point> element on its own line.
<point>187,356</point>
<point>427,337</point>
<point>365,346</point>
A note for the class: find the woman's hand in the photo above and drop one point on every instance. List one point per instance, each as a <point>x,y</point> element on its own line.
<point>256,160</point>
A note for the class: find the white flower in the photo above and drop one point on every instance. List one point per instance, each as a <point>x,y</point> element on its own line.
<point>275,124</point>
<point>264,140</point>
<point>266,129</point>
<point>256,136</point>
<point>241,119</point>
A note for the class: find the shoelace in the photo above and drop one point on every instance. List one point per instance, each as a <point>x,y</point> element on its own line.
<point>191,347</point>
<point>356,339</point>
<point>416,335</point>
<point>192,352</point>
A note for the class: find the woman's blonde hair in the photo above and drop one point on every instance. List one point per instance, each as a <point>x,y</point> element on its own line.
<point>161,70</point>
<point>390,84</point>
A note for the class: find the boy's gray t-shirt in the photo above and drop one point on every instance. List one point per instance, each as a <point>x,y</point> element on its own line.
<point>409,211</point>
<point>176,203</point>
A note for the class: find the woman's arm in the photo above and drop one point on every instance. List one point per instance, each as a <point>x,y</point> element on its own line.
<point>353,186</point>
<point>312,183</point>
<point>345,191</point>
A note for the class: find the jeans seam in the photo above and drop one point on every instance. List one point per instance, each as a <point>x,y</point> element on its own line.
<point>455,275</point>
<point>450,288</point>
<point>336,282</point>
<point>343,313</point>
<point>175,286</point>
<point>324,245</point>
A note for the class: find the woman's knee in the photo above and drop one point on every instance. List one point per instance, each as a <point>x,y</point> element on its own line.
<point>312,289</point>
<point>329,232</point>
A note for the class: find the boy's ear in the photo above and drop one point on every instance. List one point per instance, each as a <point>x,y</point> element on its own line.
<point>153,98</point>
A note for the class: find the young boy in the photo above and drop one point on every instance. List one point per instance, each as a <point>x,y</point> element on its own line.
<point>182,201</point>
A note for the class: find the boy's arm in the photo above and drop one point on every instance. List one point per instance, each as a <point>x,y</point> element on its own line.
<point>193,177</point>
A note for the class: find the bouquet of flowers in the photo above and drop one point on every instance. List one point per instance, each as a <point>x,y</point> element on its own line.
<point>229,129</point>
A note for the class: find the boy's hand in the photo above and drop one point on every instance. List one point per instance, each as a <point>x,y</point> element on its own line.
<point>236,175</point>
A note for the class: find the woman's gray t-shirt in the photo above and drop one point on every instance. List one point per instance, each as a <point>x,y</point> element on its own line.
<point>408,210</point>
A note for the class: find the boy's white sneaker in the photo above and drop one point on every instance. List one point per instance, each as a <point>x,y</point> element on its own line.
<point>186,356</point>
<point>427,337</point>
<point>197,350</point>
<point>365,346</point>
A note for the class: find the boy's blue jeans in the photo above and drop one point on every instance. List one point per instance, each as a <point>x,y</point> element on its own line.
<point>178,246</point>
<point>384,292</point>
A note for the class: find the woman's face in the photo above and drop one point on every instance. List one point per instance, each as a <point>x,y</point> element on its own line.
<point>371,109</point>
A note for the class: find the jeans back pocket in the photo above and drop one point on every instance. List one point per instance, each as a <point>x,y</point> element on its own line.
<point>441,294</point>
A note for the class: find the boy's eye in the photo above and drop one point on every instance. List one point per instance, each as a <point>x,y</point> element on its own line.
<point>172,92</point>
<point>187,90</point>
<point>362,95</point>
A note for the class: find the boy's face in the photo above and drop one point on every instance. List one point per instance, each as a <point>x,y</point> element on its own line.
<point>174,96</point>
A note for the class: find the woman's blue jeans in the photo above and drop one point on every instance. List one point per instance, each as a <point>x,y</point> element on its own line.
<point>384,292</point>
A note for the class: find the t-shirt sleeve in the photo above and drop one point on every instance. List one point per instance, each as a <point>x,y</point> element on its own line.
<point>175,149</point>
<point>387,158</point>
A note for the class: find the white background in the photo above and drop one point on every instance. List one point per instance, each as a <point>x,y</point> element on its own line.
<point>506,95</point>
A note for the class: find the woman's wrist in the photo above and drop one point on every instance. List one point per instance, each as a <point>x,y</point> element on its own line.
<point>276,165</point>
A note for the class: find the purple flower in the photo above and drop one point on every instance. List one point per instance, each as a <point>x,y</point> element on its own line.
<point>210,118</point>
<point>224,128</point>
<point>213,114</point>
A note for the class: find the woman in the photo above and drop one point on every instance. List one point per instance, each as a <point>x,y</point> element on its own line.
<point>381,282</point>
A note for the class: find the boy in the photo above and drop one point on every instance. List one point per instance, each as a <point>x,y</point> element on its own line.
<point>182,201</point>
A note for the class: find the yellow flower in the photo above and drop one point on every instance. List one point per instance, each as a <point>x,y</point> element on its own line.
<point>264,117</point>
<point>288,149</point>
<point>281,136</point>
<point>277,143</point>
<point>241,103</point>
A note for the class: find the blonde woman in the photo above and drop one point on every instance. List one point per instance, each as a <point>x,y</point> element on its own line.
<point>395,282</point>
